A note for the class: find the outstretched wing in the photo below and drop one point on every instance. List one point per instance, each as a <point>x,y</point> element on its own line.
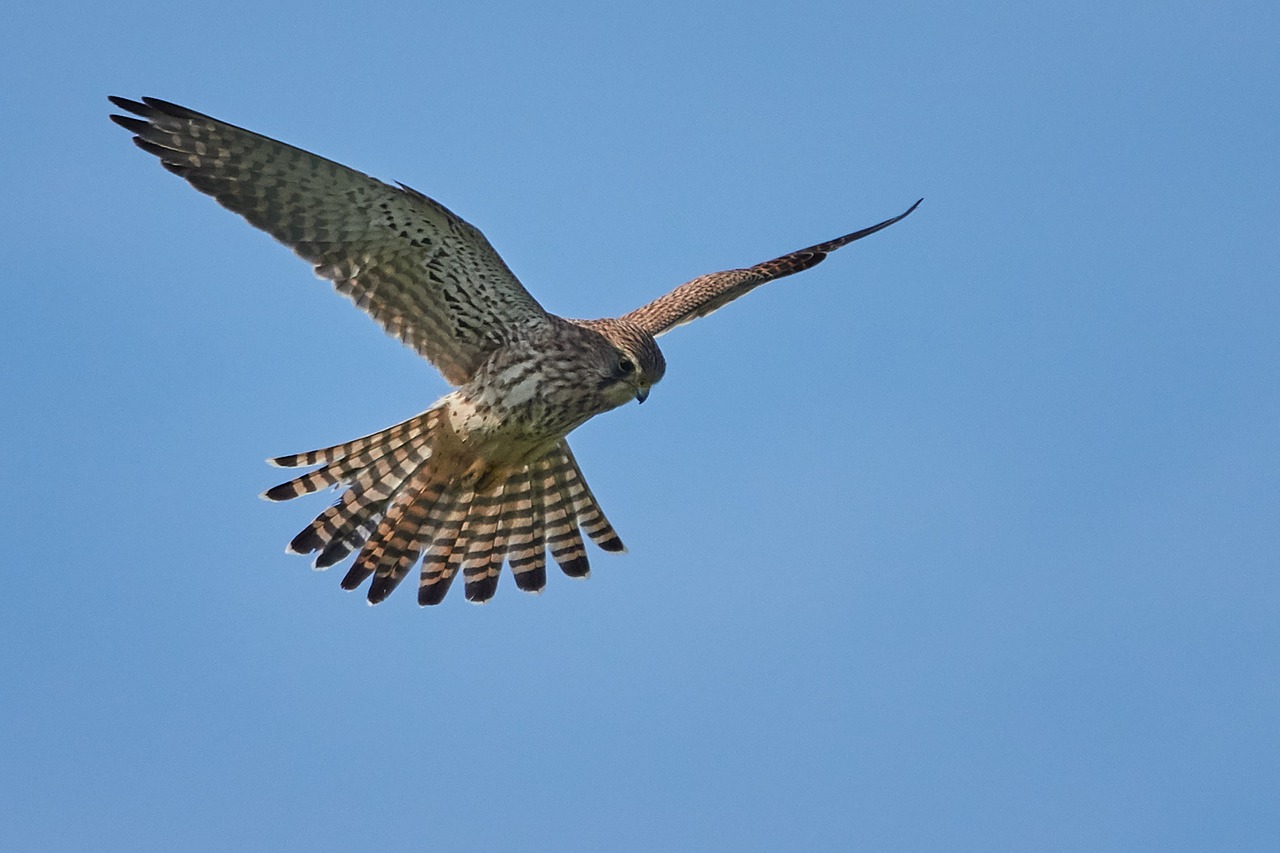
<point>705,294</point>
<point>429,278</point>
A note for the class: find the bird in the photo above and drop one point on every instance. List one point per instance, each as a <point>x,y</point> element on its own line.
<point>484,477</point>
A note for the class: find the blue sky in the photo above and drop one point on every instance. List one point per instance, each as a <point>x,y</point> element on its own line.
<point>966,539</point>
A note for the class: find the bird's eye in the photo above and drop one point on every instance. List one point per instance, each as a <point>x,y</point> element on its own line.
<point>625,365</point>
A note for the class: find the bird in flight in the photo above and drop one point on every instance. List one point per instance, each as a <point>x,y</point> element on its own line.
<point>484,476</point>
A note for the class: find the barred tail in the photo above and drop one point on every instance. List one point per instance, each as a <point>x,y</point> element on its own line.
<point>410,430</point>
<point>400,508</point>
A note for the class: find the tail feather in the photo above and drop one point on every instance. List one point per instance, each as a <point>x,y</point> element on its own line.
<point>590,517</point>
<point>486,546</point>
<point>527,537</point>
<point>406,503</point>
<point>369,559</point>
<point>402,536</point>
<point>353,516</point>
<point>345,526</point>
<point>563,538</point>
<point>442,566</point>
<point>444,556</point>
<point>355,529</point>
<point>410,430</point>
<point>396,450</point>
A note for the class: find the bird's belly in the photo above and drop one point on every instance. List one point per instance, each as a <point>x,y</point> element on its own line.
<point>499,433</point>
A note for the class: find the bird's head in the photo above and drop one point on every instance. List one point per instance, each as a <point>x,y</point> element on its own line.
<point>632,362</point>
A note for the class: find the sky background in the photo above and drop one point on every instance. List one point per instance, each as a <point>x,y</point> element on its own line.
<point>966,539</point>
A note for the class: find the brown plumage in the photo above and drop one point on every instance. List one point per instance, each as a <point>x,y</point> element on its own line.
<point>485,475</point>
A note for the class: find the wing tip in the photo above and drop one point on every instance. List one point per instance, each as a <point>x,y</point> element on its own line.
<point>150,107</point>
<point>129,123</point>
<point>128,105</point>
<point>170,108</point>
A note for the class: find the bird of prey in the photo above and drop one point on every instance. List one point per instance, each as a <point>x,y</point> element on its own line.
<point>484,476</point>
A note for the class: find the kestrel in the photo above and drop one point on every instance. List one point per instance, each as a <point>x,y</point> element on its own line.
<point>484,476</point>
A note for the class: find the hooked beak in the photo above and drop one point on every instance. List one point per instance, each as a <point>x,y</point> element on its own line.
<point>642,394</point>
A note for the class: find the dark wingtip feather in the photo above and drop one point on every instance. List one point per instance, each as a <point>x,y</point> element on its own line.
<point>129,123</point>
<point>150,108</point>
<point>128,105</point>
<point>831,246</point>
<point>172,109</point>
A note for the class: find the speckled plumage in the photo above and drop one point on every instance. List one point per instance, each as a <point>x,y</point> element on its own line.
<point>485,475</point>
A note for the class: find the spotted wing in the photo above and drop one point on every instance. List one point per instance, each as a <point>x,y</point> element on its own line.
<point>705,294</point>
<point>429,278</point>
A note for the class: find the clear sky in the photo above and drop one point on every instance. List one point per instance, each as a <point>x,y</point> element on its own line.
<point>966,539</point>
